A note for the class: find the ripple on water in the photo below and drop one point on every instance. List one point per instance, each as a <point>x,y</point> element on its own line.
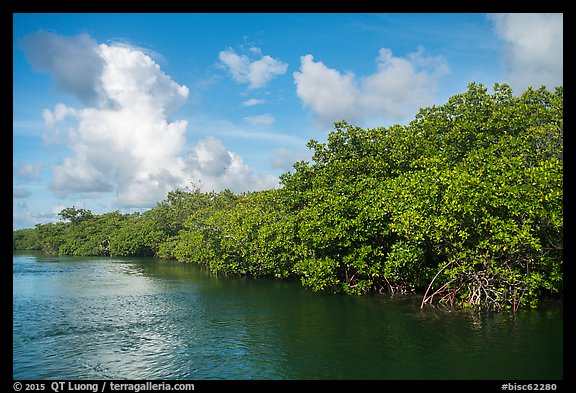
<point>141,319</point>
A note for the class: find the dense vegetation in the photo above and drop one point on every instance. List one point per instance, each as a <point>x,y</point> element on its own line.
<point>463,205</point>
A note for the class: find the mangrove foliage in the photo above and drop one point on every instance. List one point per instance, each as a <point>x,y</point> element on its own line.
<point>463,205</point>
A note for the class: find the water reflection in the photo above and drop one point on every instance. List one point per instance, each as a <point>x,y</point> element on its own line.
<point>88,318</point>
<point>115,321</point>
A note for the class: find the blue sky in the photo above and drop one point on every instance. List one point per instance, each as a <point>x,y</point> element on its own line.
<point>112,111</point>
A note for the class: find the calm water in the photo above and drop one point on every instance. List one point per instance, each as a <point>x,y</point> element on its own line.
<point>141,318</point>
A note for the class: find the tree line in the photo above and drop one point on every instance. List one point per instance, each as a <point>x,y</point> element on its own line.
<point>463,205</point>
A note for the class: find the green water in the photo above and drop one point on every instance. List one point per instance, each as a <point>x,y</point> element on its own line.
<point>142,318</point>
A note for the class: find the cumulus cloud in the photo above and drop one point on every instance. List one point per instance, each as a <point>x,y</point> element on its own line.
<point>74,62</point>
<point>210,157</point>
<point>58,122</point>
<point>123,140</point>
<point>533,48</point>
<point>256,73</point>
<point>60,112</point>
<point>397,89</point>
<point>332,96</point>
<point>128,146</point>
<point>26,172</point>
<point>77,174</point>
<point>213,167</point>
<point>133,80</point>
<point>401,85</point>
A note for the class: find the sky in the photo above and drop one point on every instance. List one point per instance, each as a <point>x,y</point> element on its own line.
<point>113,111</point>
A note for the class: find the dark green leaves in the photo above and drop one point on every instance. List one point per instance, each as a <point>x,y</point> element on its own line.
<point>464,205</point>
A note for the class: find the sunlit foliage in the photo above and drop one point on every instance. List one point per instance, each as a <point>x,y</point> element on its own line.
<point>463,205</point>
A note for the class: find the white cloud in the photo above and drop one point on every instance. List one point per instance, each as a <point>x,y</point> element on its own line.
<point>213,167</point>
<point>132,79</point>
<point>260,120</point>
<point>210,157</point>
<point>74,62</point>
<point>60,112</point>
<point>396,90</point>
<point>77,174</point>
<point>331,95</point>
<point>126,145</point>
<point>57,122</point>
<point>26,172</point>
<point>256,73</point>
<point>283,158</point>
<point>252,102</point>
<point>533,48</point>
<point>400,86</point>
<point>124,141</point>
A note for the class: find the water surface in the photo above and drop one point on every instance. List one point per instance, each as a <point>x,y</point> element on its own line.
<point>143,318</point>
